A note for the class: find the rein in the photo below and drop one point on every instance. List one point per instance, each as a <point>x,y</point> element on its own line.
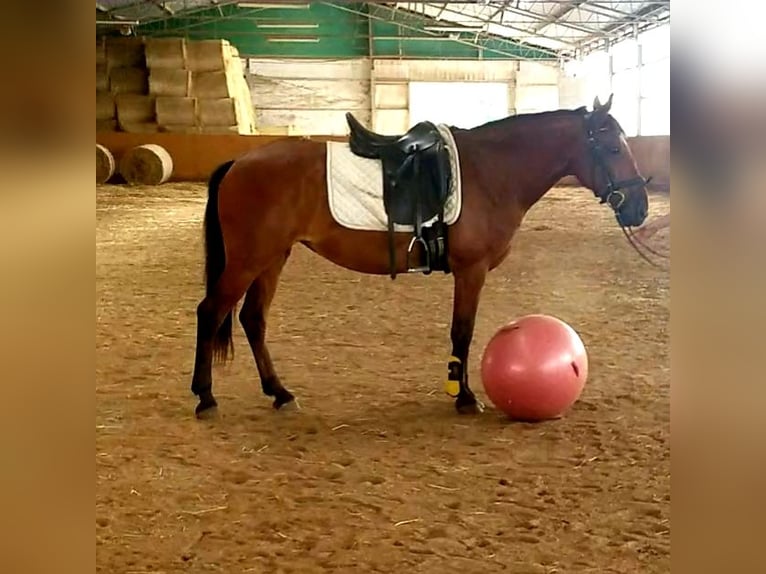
<point>635,242</point>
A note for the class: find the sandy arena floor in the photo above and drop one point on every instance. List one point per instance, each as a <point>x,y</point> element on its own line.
<point>376,472</point>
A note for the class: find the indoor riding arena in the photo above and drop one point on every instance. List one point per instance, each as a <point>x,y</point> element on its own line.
<point>372,468</point>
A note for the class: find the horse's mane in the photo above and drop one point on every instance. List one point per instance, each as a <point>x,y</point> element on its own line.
<point>513,120</point>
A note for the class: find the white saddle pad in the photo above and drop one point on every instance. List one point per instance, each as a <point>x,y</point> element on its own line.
<point>355,188</point>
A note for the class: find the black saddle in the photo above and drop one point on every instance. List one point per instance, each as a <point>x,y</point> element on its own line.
<point>416,184</point>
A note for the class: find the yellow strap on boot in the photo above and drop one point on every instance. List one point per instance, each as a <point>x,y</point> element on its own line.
<point>452,386</point>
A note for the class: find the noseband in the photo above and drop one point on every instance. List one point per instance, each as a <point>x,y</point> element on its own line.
<point>612,194</point>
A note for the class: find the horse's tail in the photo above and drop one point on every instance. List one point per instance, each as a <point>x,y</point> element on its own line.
<point>215,259</point>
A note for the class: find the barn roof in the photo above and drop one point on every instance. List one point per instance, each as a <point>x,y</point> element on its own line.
<point>567,27</point>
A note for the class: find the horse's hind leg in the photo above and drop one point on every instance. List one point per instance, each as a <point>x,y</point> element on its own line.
<point>253,318</point>
<point>213,336</point>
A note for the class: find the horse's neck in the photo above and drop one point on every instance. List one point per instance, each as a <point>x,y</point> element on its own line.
<point>537,155</point>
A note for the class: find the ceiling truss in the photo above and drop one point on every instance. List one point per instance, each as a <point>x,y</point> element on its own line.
<point>568,28</point>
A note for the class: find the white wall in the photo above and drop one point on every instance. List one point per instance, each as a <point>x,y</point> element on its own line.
<point>636,71</point>
<point>537,87</point>
<point>308,96</point>
<point>390,81</point>
<point>312,97</point>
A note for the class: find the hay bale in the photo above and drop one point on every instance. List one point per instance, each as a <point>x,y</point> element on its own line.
<point>128,81</point>
<point>219,112</point>
<point>148,164</point>
<point>105,108</point>
<point>135,108</point>
<point>125,52</point>
<point>168,53</point>
<point>102,78</point>
<point>213,85</point>
<point>208,55</point>
<point>106,125</point>
<point>105,164</point>
<point>140,127</point>
<point>164,82</point>
<point>176,111</point>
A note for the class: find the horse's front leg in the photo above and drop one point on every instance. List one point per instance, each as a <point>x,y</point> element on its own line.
<point>468,285</point>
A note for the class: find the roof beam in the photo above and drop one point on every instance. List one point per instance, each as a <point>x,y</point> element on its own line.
<point>556,16</point>
<point>540,18</point>
<point>526,33</point>
<point>499,12</point>
<point>163,6</point>
<point>643,14</point>
<point>191,11</point>
<point>619,35</point>
<point>420,30</point>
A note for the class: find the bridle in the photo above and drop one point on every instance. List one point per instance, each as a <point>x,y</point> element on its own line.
<point>612,194</point>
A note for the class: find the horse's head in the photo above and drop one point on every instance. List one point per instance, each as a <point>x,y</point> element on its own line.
<point>606,166</point>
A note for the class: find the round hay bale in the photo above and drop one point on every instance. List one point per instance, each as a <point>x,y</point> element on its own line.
<point>124,52</point>
<point>176,111</point>
<point>169,53</point>
<point>105,164</point>
<point>164,82</point>
<point>135,108</point>
<point>148,164</point>
<point>105,106</point>
<point>207,55</point>
<point>212,85</point>
<point>106,126</point>
<point>218,111</point>
<point>129,80</point>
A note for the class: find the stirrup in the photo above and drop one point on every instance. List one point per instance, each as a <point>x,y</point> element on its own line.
<point>425,268</point>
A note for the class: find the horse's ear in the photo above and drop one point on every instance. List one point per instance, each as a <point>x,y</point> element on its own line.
<point>600,112</point>
<point>598,106</point>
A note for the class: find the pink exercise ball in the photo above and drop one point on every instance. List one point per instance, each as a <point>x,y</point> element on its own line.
<point>534,368</point>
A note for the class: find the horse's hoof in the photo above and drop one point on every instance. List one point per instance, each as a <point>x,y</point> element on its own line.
<point>289,406</point>
<point>206,410</point>
<point>472,408</point>
<point>285,401</point>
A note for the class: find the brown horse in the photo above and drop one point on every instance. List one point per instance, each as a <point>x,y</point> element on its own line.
<point>274,196</point>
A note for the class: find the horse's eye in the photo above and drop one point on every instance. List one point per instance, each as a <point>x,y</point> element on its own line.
<point>615,150</point>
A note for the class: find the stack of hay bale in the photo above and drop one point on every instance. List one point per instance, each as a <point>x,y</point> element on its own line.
<point>122,87</point>
<point>218,83</point>
<point>170,84</point>
<point>184,86</point>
